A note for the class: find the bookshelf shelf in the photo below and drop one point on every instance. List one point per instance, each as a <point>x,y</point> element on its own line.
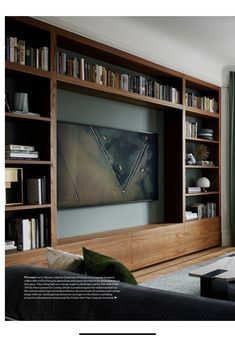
<point>201,167</point>
<point>11,66</point>
<point>12,115</point>
<point>27,162</point>
<point>201,194</point>
<point>193,112</point>
<point>26,207</point>
<point>75,84</point>
<point>201,140</point>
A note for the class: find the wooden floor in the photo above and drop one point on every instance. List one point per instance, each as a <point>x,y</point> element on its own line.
<point>179,263</point>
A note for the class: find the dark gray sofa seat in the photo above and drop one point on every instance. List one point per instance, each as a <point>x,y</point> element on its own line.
<point>132,303</point>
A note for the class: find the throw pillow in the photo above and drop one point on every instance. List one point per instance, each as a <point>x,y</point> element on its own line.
<point>59,259</point>
<point>101,265</point>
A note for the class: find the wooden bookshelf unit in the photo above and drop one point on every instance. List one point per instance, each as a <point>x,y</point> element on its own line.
<point>181,98</point>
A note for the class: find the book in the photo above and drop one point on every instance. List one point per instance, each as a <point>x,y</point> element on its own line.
<point>21,52</point>
<point>33,233</point>
<point>21,155</point>
<point>26,227</point>
<point>36,190</point>
<point>193,189</point>
<point>41,230</point>
<point>9,243</point>
<point>16,147</point>
<point>10,250</point>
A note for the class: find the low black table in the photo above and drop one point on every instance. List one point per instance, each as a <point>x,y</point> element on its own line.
<point>217,279</point>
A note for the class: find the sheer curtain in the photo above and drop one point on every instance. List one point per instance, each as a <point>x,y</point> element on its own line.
<point>232,154</point>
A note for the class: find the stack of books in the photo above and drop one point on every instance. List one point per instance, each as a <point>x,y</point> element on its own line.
<point>193,189</point>
<point>10,246</point>
<point>13,151</point>
<point>190,216</point>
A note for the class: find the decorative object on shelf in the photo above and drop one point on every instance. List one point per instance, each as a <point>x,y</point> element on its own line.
<point>203,183</point>
<point>21,105</point>
<point>21,102</point>
<point>14,185</point>
<point>190,159</point>
<point>206,134</point>
<point>201,153</point>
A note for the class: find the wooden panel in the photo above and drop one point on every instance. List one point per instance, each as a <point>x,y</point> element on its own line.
<point>117,246</point>
<point>35,257</point>
<point>202,234</point>
<point>94,89</point>
<point>173,166</point>
<point>157,244</point>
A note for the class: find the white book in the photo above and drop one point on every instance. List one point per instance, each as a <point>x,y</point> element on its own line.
<point>16,147</point>
<point>26,227</point>
<point>24,155</point>
<point>83,69</point>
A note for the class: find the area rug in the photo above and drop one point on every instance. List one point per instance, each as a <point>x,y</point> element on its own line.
<point>180,281</point>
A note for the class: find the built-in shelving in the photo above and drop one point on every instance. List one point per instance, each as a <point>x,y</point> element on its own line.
<point>174,237</point>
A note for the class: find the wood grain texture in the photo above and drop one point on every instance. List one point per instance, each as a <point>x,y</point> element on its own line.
<point>202,234</point>
<point>86,87</point>
<point>117,246</point>
<point>157,244</point>
<point>34,257</point>
<point>164,268</point>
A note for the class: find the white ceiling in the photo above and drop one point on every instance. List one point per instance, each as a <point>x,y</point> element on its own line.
<point>208,42</point>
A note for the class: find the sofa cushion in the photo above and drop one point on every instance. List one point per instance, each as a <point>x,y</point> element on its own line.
<point>59,259</point>
<point>101,265</point>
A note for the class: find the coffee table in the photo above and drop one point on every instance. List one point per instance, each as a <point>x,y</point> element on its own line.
<point>216,278</point>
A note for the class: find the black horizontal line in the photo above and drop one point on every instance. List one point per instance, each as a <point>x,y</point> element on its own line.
<point>117,333</point>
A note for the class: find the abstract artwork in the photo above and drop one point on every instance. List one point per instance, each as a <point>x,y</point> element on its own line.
<point>99,165</point>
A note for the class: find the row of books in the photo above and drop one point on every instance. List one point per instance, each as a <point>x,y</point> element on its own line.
<point>80,68</point>
<point>19,51</point>
<point>203,103</point>
<point>13,151</point>
<point>201,211</point>
<point>28,233</point>
<point>191,129</point>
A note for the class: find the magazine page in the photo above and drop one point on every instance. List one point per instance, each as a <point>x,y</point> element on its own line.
<point>115,192</point>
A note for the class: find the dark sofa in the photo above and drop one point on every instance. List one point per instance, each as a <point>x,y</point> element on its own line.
<point>132,303</point>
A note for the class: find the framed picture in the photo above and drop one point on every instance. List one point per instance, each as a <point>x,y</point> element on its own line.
<point>100,165</point>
